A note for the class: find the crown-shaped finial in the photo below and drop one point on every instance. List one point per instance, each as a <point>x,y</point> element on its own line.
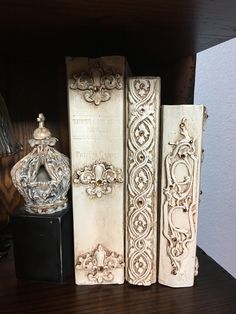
<point>41,133</point>
<point>41,119</point>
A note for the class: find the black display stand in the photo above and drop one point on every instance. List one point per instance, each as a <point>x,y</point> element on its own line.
<point>43,245</point>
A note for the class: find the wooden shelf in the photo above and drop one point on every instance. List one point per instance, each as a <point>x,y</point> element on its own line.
<point>214,292</point>
<point>147,31</point>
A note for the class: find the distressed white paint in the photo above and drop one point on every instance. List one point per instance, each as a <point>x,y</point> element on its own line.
<point>143,105</point>
<point>215,86</point>
<point>180,173</point>
<point>97,137</point>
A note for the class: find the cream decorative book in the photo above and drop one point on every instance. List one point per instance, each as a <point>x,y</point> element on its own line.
<point>96,114</point>
<point>182,127</point>
<point>143,105</point>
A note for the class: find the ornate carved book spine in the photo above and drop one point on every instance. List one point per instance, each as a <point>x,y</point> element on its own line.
<point>143,105</point>
<point>182,127</point>
<point>96,114</point>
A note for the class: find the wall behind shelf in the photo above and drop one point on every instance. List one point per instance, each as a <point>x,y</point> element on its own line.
<point>215,87</point>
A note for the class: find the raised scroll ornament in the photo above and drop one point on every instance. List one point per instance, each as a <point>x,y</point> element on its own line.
<point>100,264</point>
<point>99,177</point>
<point>96,84</point>
<point>181,202</point>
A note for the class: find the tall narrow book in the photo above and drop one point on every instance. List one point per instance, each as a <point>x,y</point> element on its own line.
<point>96,114</point>
<point>143,103</point>
<point>182,127</point>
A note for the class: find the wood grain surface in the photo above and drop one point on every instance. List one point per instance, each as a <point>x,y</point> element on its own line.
<point>214,292</point>
<point>147,30</point>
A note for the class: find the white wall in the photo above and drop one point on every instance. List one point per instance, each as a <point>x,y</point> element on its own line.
<point>215,86</point>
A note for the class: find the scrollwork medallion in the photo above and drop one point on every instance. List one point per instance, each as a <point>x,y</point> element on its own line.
<point>99,177</point>
<point>100,264</point>
<point>97,84</point>
<point>180,198</point>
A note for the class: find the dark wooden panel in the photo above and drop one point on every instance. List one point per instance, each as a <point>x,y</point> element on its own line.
<point>214,292</point>
<point>177,81</point>
<point>148,30</point>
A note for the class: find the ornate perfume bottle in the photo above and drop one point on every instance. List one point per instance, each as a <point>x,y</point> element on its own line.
<point>43,176</point>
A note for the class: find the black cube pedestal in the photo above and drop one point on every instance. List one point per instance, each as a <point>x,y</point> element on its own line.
<point>43,246</point>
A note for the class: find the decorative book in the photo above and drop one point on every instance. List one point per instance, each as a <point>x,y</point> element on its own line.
<point>96,115</point>
<point>143,104</point>
<point>182,127</point>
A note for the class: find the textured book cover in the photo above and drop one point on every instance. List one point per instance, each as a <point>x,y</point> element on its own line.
<point>143,106</point>
<point>182,127</point>
<point>96,114</point>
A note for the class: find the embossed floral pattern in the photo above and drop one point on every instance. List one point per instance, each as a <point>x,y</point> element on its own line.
<point>141,180</point>
<point>97,84</point>
<point>140,265</point>
<point>180,198</point>
<point>141,133</point>
<point>142,87</point>
<point>140,223</point>
<point>141,156</point>
<point>99,177</point>
<point>100,264</point>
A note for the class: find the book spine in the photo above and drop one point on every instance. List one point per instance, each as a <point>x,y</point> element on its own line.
<point>182,127</point>
<point>143,104</point>
<point>96,115</point>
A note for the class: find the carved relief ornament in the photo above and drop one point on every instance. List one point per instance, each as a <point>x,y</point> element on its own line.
<point>180,198</point>
<point>100,264</point>
<point>99,178</point>
<point>141,150</point>
<point>97,84</point>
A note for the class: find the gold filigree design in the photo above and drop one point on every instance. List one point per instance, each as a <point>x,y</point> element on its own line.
<point>100,264</point>
<point>181,200</point>
<point>100,177</point>
<point>97,84</point>
<point>141,152</point>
